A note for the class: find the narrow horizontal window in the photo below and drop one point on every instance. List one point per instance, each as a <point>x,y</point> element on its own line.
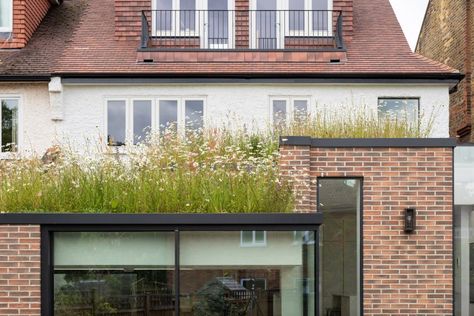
<point>116,123</point>
<point>404,110</point>
<point>9,125</point>
<point>253,238</point>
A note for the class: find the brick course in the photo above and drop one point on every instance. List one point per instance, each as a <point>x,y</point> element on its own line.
<point>20,270</point>
<point>446,37</point>
<point>403,274</point>
<point>27,16</point>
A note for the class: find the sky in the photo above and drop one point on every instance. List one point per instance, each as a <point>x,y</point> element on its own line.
<point>410,14</point>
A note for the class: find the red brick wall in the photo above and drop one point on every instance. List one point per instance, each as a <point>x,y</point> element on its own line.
<point>403,274</point>
<point>27,15</point>
<point>446,37</point>
<point>19,270</point>
<point>128,19</point>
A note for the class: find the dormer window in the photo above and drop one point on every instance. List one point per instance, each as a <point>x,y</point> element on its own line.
<point>6,16</point>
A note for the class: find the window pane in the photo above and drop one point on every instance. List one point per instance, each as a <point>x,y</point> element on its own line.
<point>279,113</point>
<point>219,277</point>
<point>300,110</point>
<point>247,237</point>
<point>402,110</point>
<point>218,29</point>
<point>9,125</point>
<point>113,273</point>
<point>141,121</point>
<point>339,201</point>
<point>187,15</point>
<point>296,15</point>
<point>6,14</point>
<point>194,111</point>
<point>259,237</point>
<point>320,4</point>
<point>266,24</point>
<point>168,116</point>
<point>163,15</point>
<point>116,123</point>
<point>321,17</point>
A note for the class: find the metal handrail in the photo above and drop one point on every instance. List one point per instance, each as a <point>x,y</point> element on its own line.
<point>242,29</point>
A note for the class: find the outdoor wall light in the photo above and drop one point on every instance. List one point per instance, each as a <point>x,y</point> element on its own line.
<point>410,220</point>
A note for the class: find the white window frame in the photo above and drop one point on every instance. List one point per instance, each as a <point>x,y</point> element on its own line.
<point>418,110</point>
<point>127,121</point>
<point>308,26</point>
<point>8,28</point>
<point>153,114</point>
<point>254,243</point>
<point>9,155</point>
<point>290,106</point>
<point>201,24</point>
<point>155,120</point>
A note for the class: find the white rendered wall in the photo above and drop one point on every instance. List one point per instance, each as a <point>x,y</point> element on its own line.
<point>83,106</point>
<point>36,130</point>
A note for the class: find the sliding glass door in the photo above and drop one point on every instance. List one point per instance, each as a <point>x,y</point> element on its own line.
<point>199,273</point>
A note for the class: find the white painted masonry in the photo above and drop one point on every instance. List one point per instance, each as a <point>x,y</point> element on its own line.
<point>35,128</point>
<point>75,113</point>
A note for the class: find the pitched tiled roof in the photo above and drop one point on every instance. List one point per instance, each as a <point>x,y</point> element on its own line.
<point>42,54</point>
<point>78,38</point>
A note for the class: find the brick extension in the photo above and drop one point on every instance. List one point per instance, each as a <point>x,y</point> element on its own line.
<point>19,270</point>
<point>402,274</point>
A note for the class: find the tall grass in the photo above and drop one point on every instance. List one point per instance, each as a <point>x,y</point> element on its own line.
<point>216,171</point>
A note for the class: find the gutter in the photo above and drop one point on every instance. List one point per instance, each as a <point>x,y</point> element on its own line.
<point>452,79</point>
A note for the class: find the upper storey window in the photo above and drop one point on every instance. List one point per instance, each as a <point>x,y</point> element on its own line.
<point>6,16</point>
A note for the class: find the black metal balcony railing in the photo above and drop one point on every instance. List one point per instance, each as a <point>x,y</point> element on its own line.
<point>242,29</point>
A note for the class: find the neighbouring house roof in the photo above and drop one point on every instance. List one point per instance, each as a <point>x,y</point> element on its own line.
<point>77,39</point>
<point>44,50</point>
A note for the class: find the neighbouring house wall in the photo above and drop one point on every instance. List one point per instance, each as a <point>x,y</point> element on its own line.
<point>445,37</point>
<point>36,129</point>
<point>403,274</point>
<point>27,15</point>
<point>20,270</point>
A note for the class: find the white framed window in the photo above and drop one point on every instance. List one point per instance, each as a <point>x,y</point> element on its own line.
<point>286,109</point>
<point>272,20</point>
<point>309,18</point>
<point>6,16</point>
<point>9,125</point>
<point>132,120</point>
<point>175,18</point>
<point>253,238</point>
<point>211,21</point>
<point>403,109</point>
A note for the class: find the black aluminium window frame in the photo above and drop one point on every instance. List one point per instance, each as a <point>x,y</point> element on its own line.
<point>361,231</point>
<point>418,107</point>
<point>176,223</point>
